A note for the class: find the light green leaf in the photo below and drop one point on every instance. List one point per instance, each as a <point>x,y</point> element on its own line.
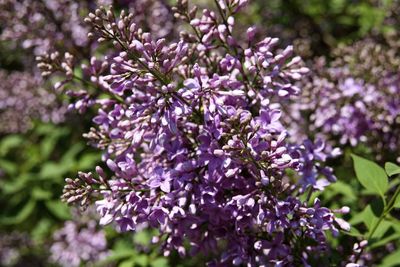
<point>392,169</point>
<point>142,238</point>
<point>142,260</point>
<point>353,232</point>
<point>9,142</point>
<point>367,217</point>
<point>392,259</point>
<point>58,209</point>
<point>384,241</point>
<point>382,229</point>
<point>40,194</point>
<point>18,184</point>
<point>52,170</point>
<point>42,230</point>
<point>370,175</point>
<point>159,262</point>
<point>87,161</point>
<point>128,263</point>
<point>397,202</point>
<point>8,167</point>
<point>343,189</point>
<point>121,251</point>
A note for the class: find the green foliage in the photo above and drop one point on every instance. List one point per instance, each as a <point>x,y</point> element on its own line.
<point>33,168</point>
<point>370,175</point>
<point>373,197</point>
<point>136,252</point>
<point>392,169</point>
<point>381,227</point>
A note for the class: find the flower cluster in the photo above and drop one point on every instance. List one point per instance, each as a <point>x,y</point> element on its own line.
<point>352,100</point>
<point>43,25</point>
<point>46,25</point>
<point>79,243</point>
<point>192,135</point>
<point>49,29</point>
<point>23,100</point>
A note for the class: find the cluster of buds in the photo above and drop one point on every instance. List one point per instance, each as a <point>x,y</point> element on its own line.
<point>81,188</point>
<point>54,62</point>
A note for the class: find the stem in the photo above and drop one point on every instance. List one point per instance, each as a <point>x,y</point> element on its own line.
<point>310,191</point>
<point>118,98</point>
<point>388,208</point>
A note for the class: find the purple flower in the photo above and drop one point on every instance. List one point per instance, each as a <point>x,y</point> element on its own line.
<point>192,134</point>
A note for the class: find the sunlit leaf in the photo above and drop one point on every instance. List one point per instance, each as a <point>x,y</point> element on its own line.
<point>392,169</point>
<point>392,259</point>
<point>370,175</point>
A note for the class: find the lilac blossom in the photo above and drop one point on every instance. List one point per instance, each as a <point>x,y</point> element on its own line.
<point>12,246</point>
<point>23,100</point>
<point>352,100</point>
<point>193,138</point>
<point>76,244</point>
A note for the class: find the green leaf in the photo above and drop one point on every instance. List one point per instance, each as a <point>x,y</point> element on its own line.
<point>397,202</point>
<point>392,169</point>
<point>343,189</point>
<point>40,194</point>
<point>87,161</point>
<point>384,241</point>
<point>392,259</point>
<point>353,232</point>
<point>377,206</point>
<point>159,262</point>
<point>8,167</point>
<point>18,184</point>
<point>142,260</point>
<point>382,229</point>
<point>48,144</point>
<point>121,251</point>
<point>367,217</point>
<point>128,263</point>
<point>42,230</point>
<point>115,257</point>
<point>58,209</point>
<point>22,215</point>
<point>370,175</point>
<point>9,142</point>
<point>52,170</point>
<point>142,238</point>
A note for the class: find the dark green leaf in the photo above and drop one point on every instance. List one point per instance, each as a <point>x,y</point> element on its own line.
<point>22,215</point>
<point>377,207</point>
